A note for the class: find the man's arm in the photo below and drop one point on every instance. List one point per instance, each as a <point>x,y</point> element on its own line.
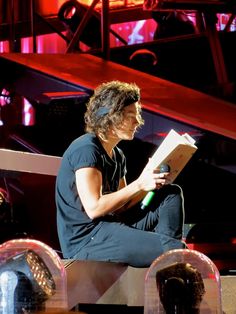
<point>136,198</point>
<point>89,187</point>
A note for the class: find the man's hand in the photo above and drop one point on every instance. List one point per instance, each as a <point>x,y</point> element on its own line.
<point>151,179</point>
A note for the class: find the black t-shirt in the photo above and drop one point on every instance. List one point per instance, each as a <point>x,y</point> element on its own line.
<point>75,228</point>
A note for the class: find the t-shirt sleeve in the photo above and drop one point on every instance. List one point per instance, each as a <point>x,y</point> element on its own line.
<point>87,156</point>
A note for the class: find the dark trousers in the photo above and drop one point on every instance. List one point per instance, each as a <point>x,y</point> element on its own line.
<point>137,237</point>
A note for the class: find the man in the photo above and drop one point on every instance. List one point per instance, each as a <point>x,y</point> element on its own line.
<point>99,216</point>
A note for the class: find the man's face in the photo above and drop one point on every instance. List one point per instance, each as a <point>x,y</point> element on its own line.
<point>129,124</point>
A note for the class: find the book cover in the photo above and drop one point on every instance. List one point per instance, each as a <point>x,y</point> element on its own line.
<point>175,151</point>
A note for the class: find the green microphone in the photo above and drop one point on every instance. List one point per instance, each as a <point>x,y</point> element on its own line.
<point>148,198</point>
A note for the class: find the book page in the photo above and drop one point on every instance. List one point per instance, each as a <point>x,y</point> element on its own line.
<point>188,138</point>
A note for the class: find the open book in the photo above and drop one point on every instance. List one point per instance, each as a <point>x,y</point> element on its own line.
<point>175,151</point>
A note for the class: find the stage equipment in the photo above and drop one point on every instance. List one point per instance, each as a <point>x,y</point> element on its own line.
<point>26,280</point>
<point>30,276</point>
<point>143,60</point>
<point>182,281</point>
<point>181,288</point>
<point>172,23</point>
<point>202,5</point>
<point>71,14</point>
<point>5,206</point>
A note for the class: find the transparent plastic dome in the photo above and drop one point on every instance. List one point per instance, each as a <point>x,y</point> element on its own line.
<point>182,281</point>
<point>32,278</point>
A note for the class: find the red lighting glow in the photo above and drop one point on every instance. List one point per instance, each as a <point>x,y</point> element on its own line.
<point>135,32</point>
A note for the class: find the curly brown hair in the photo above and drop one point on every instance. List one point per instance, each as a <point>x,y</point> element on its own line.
<point>105,106</point>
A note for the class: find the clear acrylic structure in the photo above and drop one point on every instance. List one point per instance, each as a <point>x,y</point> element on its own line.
<point>32,278</point>
<point>182,281</point>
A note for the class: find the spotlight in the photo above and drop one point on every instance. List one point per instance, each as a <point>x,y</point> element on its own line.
<point>144,60</point>
<point>182,281</point>
<point>25,284</point>
<point>181,288</point>
<point>71,13</point>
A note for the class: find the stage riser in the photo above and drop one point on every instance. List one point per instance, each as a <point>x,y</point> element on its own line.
<point>100,283</point>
